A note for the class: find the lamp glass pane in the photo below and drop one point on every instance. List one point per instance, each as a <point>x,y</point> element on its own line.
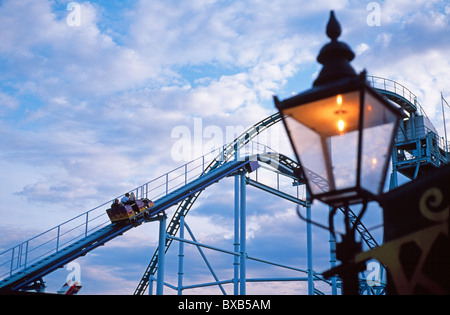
<point>378,130</point>
<point>325,136</point>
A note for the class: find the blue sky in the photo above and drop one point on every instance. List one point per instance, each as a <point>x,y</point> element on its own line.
<point>87,112</point>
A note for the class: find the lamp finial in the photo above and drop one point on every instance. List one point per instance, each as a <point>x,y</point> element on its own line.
<point>335,56</point>
<point>333,27</point>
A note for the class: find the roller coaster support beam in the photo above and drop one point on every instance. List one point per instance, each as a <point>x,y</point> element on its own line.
<point>243,247</point>
<point>161,255</point>
<point>150,286</point>
<point>309,245</point>
<point>240,228</point>
<point>181,257</point>
<point>333,259</point>
<point>236,235</point>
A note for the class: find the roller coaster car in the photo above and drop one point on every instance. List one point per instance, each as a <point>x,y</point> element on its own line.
<point>127,213</point>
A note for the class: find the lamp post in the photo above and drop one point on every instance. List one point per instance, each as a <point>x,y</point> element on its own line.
<point>342,132</point>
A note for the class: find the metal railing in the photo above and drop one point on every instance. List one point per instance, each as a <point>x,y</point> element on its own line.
<point>396,88</point>
<point>57,238</point>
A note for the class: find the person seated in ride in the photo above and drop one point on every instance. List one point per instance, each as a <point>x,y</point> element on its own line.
<point>125,198</point>
<point>132,198</point>
<point>116,204</point>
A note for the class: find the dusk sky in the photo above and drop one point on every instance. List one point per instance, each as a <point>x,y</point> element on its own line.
<point>90,106</point>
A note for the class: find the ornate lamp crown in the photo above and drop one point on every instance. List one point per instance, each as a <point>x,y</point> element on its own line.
<point>335,56</point>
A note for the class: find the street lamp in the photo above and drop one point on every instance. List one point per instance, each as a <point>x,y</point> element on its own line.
<point>342,132</point>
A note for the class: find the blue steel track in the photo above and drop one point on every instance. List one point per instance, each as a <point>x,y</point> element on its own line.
<point>80,248</point>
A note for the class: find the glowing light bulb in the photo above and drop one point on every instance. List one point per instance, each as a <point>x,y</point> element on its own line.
<point>341,125</point>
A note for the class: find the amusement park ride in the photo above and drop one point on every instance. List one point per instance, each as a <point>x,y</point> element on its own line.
<point>417,150</point>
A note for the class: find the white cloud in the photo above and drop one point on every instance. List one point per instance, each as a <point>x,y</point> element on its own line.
<point>403,11</point>
<point>361,49</point>
<point>64,60</point>
<point>7,103</point>
<point>384,39</point>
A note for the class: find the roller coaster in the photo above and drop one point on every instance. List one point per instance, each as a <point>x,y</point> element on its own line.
<point>23,267</point>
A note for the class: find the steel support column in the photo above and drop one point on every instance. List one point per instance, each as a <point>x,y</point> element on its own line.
<point>333,260</point>
<point>236,235</point>
<point>309,246</point>
<point>243,236</point>
<point>161,255</point>
<point>181,257</point>
<point>150,285</point>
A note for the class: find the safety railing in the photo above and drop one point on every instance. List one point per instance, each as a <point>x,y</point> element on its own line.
<point>438,142</point>
<point>396,88</point>
<point>55,239</point>
<point>438,147</point>
<point>51,241</point>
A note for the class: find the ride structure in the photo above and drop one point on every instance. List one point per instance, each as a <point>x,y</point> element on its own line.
<point>418,149</point>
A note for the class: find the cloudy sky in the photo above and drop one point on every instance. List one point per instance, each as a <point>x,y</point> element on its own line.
<point>89,104</point>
